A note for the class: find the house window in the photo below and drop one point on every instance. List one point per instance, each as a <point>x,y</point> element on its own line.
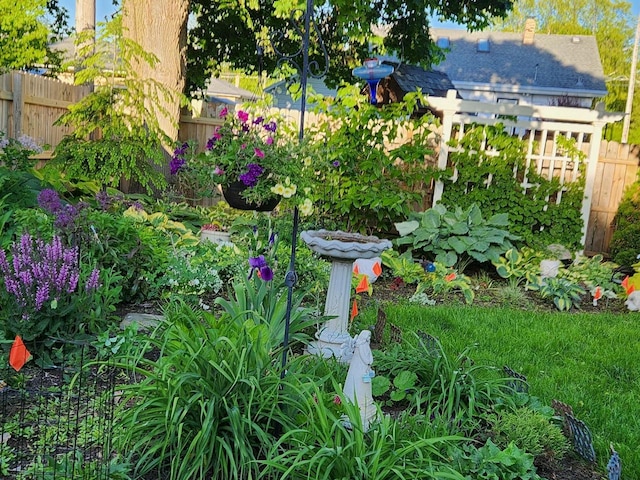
<point>443,42</point>
<point>483,45</point>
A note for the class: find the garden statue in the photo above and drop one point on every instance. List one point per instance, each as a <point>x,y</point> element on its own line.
<point>357,386</point>
<point>633,301</point>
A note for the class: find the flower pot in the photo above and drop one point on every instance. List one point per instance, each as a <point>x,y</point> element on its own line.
<point>215,236</point>
<point>233,195</point>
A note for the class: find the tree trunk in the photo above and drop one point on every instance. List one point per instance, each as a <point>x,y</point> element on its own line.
<point>160,28</point>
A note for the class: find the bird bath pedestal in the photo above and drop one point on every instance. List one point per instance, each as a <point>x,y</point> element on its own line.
<point>342,249</point>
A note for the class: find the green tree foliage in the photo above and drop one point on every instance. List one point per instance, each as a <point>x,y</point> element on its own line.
<point>233,31</point>
<point>26,30</point>
<point>116,131</point>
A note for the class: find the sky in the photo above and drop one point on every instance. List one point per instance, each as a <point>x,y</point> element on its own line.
<point>104,8</point>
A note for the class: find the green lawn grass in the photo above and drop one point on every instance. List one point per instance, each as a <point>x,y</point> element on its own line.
<point>589,361</point>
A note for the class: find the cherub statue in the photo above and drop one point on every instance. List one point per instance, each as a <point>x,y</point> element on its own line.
<point>633,301</point>
<point>357,386</point>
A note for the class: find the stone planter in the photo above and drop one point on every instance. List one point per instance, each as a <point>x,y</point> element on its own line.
<point>215,236</point>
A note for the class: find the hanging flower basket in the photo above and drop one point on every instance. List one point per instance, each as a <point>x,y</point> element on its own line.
<point>233,195</point>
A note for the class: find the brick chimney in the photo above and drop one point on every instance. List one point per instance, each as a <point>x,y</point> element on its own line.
<point>529,31</point>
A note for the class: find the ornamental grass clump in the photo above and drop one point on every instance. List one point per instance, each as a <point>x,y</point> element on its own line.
<point>258,154</point>
<point>44,286</point>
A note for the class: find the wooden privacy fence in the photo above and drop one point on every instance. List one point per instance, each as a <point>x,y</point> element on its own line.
<point>540,127</point>
<point>618,166</point>
<point>30,105</point>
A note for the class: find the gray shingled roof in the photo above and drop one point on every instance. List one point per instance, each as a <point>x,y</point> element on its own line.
<point>566,63</point>
<point>431,82</point>
<point>221,88</point>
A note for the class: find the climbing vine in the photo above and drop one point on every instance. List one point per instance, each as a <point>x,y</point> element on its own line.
<point>485,160</point>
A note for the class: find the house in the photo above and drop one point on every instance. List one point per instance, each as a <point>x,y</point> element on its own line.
<point>220,93</point>
<point>279,92</point>
<point>522,68</point>
<point>407,78</point>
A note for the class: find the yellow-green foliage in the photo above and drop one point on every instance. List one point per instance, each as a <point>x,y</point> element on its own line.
<point>531,431</point>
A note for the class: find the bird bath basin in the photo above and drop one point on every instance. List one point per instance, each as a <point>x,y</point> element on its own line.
<point>342,249</point>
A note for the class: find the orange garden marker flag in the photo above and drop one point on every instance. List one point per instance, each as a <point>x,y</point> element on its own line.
<point>363,286</point>
<point>629,288</point>
<point>377,269</point>
<point>354,310</point>
<point>19,354</point>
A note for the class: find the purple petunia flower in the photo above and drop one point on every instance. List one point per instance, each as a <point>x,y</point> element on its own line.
<point>336,163</point>
<point>178,161</point>
<point>258,120</point>
<point>176,165</point>
<point>271,126</point>
<point>250,178</point>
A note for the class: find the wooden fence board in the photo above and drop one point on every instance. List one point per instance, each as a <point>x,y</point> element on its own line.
<point>617,169</point>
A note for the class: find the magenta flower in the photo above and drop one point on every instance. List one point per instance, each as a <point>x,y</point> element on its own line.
<point>259,153</point>
<point>224,112</point>
<point>243,116</point>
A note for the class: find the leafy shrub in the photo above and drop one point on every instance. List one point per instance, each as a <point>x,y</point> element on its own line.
<point>366,184</point>
<point>489,461</point>
<point>208,405</point>
<point>518,265</point>
<point>190,276</point>
<point>625,243</point>
<point>437,385</point>
<point>130,140</point>
<point>456,237</point>
<point>592,272</point>
<point>531,431</point>
<point>488,155</point>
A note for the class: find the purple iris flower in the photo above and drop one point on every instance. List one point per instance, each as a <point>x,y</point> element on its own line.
<point>260,264</point>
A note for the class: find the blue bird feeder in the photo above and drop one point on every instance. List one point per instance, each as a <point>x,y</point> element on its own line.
<point>372,72</point>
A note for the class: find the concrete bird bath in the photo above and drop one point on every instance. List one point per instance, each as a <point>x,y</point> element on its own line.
<point>342,249</point>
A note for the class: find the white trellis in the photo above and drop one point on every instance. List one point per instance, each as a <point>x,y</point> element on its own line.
<point>540,126</point>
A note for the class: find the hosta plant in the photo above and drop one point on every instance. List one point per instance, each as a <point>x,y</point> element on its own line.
<point>456,237</point>
<point>565,293</point>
